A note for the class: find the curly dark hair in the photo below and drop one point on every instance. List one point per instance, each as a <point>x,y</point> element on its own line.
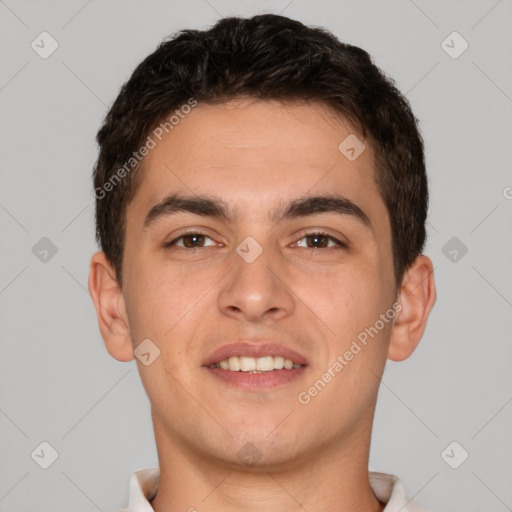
<point>267,57</point>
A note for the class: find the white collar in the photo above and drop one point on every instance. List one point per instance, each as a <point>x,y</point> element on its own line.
<point>386,487</point>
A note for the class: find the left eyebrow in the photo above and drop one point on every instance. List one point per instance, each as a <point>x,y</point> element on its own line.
<point>331,203</point>
<point>207,206</point>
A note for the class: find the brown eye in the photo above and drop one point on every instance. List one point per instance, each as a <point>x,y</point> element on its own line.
<point>193,240</point>
<point>320,241</point>
<point>190,241</point>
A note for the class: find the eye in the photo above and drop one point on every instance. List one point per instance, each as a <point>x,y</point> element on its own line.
<point>314,240</point>
<point>191,240</point>
<point>321,240</point>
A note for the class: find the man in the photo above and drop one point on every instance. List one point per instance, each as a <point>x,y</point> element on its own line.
<point>261,205</point>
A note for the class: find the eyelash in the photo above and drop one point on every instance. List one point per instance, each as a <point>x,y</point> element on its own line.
<point>339,243</point>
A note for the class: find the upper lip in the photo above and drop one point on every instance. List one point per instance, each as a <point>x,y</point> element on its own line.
<point>253,349</point>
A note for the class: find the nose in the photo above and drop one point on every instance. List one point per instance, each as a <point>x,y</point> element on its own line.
<point>257,290</point>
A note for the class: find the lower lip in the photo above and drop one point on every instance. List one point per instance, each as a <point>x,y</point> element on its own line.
<point>257,381</point>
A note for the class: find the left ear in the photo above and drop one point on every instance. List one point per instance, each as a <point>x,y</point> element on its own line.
<point>417,297</point>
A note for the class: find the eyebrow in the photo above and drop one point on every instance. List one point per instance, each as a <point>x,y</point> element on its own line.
<point>214,207</point>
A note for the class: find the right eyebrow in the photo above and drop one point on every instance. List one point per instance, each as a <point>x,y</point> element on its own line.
<point>198,205</point>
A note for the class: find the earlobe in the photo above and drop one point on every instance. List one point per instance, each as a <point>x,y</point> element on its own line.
<point>110,308</point>
<point>417,297</point>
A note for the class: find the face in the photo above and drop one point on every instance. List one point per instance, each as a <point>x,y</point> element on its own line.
<point>259,268</point>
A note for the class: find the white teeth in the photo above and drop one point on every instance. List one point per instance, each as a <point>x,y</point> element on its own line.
<point>247,364</point>
<point>265,364</point>
<point>288,364</point>
<point>256,365</point>
<point>234,364</point>
<point>278,362</point>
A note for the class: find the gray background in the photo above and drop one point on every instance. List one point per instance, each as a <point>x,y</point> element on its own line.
<point>59,385</point>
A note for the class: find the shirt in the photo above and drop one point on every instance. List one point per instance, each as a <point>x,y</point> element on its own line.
<point>386,487</point>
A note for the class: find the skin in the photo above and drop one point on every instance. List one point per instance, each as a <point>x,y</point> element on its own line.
<point>255,155</point>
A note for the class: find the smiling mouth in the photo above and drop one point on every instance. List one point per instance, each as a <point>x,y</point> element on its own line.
<point>255,364</point>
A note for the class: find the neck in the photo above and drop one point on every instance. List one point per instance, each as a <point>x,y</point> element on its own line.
<point>334,477</point>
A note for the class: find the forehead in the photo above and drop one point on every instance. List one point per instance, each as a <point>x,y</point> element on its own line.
<point>256,153</point>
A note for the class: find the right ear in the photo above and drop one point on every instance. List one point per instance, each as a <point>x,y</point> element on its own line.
<point>110,308</point>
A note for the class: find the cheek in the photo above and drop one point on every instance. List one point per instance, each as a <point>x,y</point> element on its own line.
<point>348,299</point>
<point>350,304</point>
<point>168,301</point>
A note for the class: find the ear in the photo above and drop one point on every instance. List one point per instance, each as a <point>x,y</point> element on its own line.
<point>417,297</point>
<point>110,308</point>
